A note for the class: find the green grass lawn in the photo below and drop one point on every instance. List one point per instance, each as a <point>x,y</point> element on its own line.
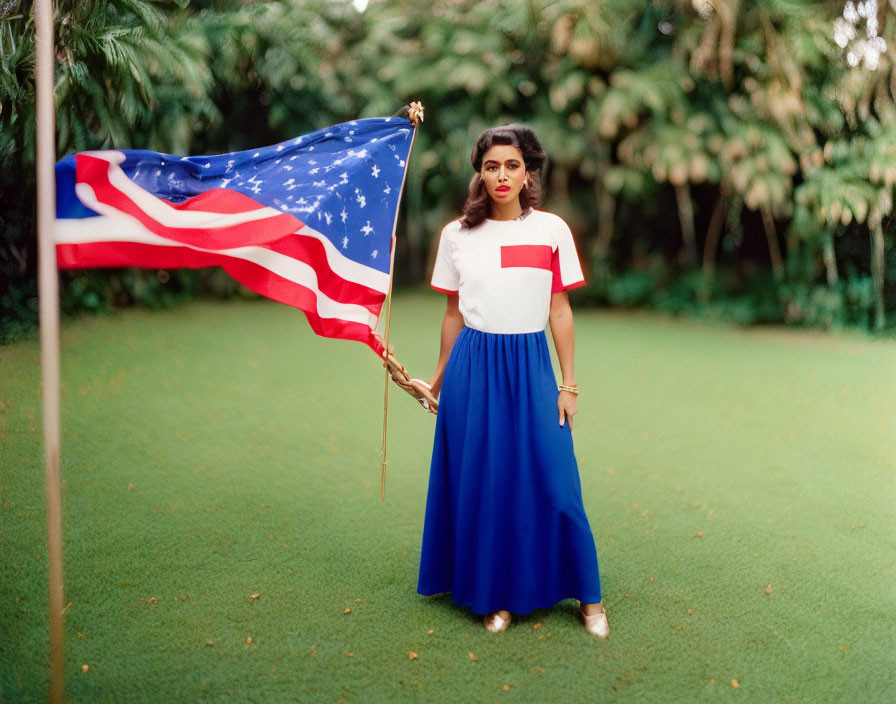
<point>214,452</point>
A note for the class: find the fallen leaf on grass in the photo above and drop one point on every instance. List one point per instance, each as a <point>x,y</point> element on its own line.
<point>85,668</point>
<point>151,600</point>
<point>735,684</point>
<point>537,669</point>
<point>67,607</point>
<point>248,640</point>
<point>254,597</point>
<point>346,610</point>
<point>506,687</point>
<point>357,601</point>
<point>349,655</point>
<point>412,655</point>
<point>80,635</point>
<point>699,533</point>
<point>314,650</point>
<point>537,625</point>
<point>712,681</point>
<point>625,596</point>
<point>473,657</point>
<point>209,642</point>
<point>430,632</point>
<point>768,589</point>
<point>844,648</point>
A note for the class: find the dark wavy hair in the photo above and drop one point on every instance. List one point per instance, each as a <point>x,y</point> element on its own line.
<point>478,205</point>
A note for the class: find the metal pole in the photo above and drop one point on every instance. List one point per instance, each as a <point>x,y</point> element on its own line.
<point>48,294</point>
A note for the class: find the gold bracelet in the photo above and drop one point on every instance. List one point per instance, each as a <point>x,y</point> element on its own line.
<point>571,389</point>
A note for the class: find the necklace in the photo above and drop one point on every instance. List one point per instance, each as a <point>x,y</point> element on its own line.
<point>522,216</point>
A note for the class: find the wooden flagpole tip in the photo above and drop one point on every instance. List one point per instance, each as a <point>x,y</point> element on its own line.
<point>415,114</point>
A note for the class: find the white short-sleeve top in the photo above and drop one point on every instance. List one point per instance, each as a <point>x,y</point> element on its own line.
<point>504,271</point>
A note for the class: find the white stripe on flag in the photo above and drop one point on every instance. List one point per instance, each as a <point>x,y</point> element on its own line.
<point>120,228</point>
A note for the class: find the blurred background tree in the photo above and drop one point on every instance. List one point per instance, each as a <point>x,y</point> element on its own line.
<point>715,157</point>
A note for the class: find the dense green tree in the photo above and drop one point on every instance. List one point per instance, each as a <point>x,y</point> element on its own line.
<point>741,118</point>
<point>128,74</point>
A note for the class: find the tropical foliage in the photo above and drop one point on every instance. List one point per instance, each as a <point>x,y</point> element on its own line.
<point>713,156</point>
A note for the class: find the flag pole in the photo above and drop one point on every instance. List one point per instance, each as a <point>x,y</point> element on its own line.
<point>48,296</point>
<point>415,113</point>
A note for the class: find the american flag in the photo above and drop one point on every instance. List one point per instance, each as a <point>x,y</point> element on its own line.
<point>307,222</point>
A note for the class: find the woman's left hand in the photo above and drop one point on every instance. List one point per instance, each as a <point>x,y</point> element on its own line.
<point>568,405</point>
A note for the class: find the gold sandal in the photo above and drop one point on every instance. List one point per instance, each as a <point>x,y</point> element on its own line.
<point>595,624</point>
<point>496,623</point>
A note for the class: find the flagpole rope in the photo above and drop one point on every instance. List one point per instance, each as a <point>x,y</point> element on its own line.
<point>416,115</point>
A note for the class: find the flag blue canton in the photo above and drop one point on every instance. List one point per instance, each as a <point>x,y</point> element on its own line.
<point>343,181</point>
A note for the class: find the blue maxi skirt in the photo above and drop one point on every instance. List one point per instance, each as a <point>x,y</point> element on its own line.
<point>505,527</point>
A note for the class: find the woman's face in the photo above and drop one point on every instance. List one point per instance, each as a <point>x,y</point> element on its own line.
<point>503,172</point>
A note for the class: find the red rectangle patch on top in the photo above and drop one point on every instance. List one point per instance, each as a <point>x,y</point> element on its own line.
<point>536,256</point>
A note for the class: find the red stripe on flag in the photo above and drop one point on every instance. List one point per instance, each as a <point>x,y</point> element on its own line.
<point>305,249</point>
<point>110,254</point>
<point>251,275</point>
<point>219,200</point>
<point>94,172</point>
<point>311,250</point>
<point>536,256</point>
<point>292,294</point>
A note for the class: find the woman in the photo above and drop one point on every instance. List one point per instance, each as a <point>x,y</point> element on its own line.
<point>505,530</point>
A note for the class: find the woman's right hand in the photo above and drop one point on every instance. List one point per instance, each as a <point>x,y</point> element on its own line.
<point>428,399</point>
